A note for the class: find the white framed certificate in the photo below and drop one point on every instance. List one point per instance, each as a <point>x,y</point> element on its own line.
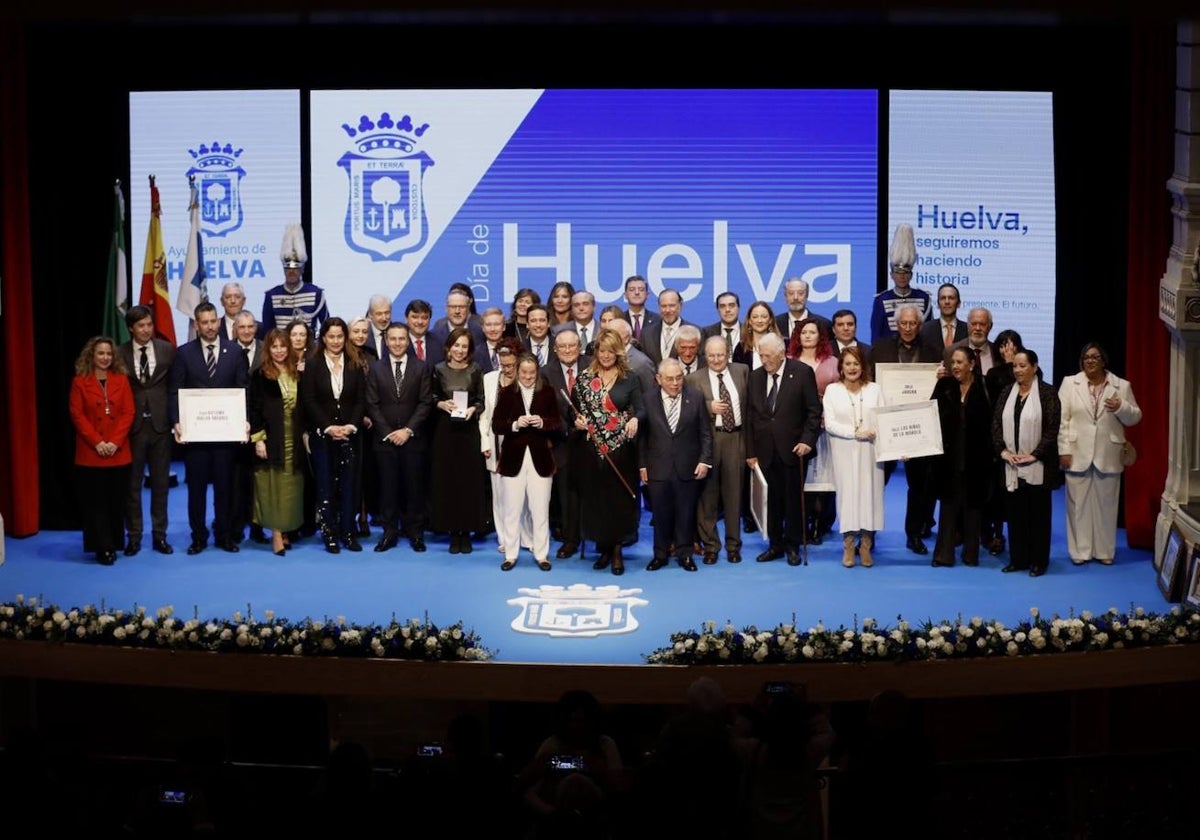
<point>212,415</point>
<point>758,498</point>
<point>911,430</point>
<point>905,383</point>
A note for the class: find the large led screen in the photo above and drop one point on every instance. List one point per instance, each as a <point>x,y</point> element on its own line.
<point>243,150</point>
<point>701,191</point>
<point>973,173</point>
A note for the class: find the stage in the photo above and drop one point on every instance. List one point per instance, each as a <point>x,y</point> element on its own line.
<point>534,617</point>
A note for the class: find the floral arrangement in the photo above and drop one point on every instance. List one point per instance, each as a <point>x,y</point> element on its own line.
<point>416,639</point>
<point>1111,630</point>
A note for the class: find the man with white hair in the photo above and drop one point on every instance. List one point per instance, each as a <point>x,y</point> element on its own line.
<point>783,421</point>
<point>687,349</point>
<point>795,292</point>
<point>379,313</point>
<point>233,301</point>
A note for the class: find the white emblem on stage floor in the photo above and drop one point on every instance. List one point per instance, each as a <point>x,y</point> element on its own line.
<point>577,610</point>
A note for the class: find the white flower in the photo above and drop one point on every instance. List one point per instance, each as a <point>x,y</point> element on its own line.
<point>297,650</point>
<point>981,642</point>
<point>81,631</point>
<point>237,616</point>
<point>269,615</point>
<point>702,647</point>
<point>265,632</point>
<point>921,643</point>
<point>808,651</point>
<point>119,633</point>
<point>1086,615</point>
<point>226,635</point>
<point>868,622</point>
<point>976,621</point>
<point>341,620</point>
<point>327,644</point>
<point>1012,649</point>
<point>723,653</point>
<point>761,653</point>
<point>1039,643</point>
<point>947,647</point>
<point>456,634</point>
<point>58,617</point>
<point>431,643</point>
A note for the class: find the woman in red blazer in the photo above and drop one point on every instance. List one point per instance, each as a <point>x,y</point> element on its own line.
<point>101,405</point>
<point>526,414</point>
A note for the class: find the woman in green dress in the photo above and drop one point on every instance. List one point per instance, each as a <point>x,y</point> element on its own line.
<point>277,434</point>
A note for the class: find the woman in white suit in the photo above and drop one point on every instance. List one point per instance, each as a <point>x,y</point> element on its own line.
<point>1097,405</point>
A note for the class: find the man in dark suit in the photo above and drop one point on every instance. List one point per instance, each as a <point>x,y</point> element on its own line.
<point>784,421</point>
<point>687,349</point>
<point>675,455</point>
<point>583,320</point>
<point>947,328</point>
<point>724,386</point>
<point>907,347</point>
<point>492,323</point>
<point>795,292</point>
<point>728,324</point>
<point>379,313</point>
<point>658,339</point>
<point>539,342</point>
<point>458,314</point>
<point>986,354</point>
<point>845,334</point>
<point>420,342</point>
<point>148,360</point>
<point>398,403</point>
<point>245,330</point>
<point>208,362</point>
<point>636,313</point>
<point>569,448</point>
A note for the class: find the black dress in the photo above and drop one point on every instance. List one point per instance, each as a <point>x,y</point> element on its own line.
<point>457,463</point>
<point>608,512</point>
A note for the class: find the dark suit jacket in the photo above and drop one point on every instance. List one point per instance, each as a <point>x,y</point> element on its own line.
<point>435,350</point>
<point>863,346</point>
<point>321,408</point>
<point>970,437</point>
<point>887,351</point>
<point>673,456</point>
<point>553,373</point>
<point>990,349</point>
<point>797,417</point>
<point>737,373</point>
<point>548,350</point>
<point>652,339</point>
<point>387,411</point>
<point>783,320</point>
<point>266,415</point>
<point>1046,450</point>
<point>931,331</point>
<point>539,442</point>
<point>258,354</point>
<point>190,371</point>
<point>151,397</point>
<point>642,367</point>
<point>648,318</point>
<point>373,335</point>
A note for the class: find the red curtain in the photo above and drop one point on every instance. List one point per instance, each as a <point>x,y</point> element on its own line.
<point>1151,159</point>
<point>19,444</point>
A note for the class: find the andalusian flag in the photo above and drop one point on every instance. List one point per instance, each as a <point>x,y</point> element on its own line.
<point>193,291</point>
<point>116,293</point>
<point>154,273</point>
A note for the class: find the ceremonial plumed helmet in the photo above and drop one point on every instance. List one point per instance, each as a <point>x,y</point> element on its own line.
<point>293,253</point>
<point>903,253</point>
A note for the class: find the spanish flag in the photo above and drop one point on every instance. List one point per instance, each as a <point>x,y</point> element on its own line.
<point>154,273</point>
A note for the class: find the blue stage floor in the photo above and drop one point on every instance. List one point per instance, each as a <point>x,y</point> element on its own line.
<point>371,587</point>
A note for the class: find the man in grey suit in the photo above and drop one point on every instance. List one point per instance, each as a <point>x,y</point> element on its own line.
<point>245,332</point>
<point>674,456</point>
<point>724,386</point>
<point>148,360</point>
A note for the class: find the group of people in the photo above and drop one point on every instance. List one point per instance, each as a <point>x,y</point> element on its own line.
<point>555,421</point>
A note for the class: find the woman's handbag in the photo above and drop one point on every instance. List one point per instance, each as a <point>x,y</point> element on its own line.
<point>1128,454</point>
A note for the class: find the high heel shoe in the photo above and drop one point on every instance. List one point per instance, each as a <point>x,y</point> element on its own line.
<point>618,562</point>
<point>604,561</point>
<point>278,544</point>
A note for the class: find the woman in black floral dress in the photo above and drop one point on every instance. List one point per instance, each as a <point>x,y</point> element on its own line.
<point>608,402</point>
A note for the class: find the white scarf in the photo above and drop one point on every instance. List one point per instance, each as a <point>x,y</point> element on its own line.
<point>1031,433</point>
<point>526,397</point>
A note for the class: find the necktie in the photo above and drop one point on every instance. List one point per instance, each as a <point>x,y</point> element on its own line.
<point>728,421</point>
<point>144,366</point>
<point>246,350</point>
<point>729,340</point>
<point>949,339</point>
<point>421,349</point>
<point>495,361</point>
<point>687,368</point>
<point>399,377</point>
<point>637,327</point>
<point>772,393</point>
<point>583,337</point>
<point>668,342</point>
<point>379,344</point>
<point>571,379</point>
<point>211,362</point>
<point>538,350</point>
<point>673,413</point>
<point>978,359</point>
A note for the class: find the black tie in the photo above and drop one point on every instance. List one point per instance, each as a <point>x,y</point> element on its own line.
<point>144,366</point>
<point>399,377</point>
<point>246,350</point>
<point>729,339</point>
<point>772,393</point>
<point>211,361</point>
